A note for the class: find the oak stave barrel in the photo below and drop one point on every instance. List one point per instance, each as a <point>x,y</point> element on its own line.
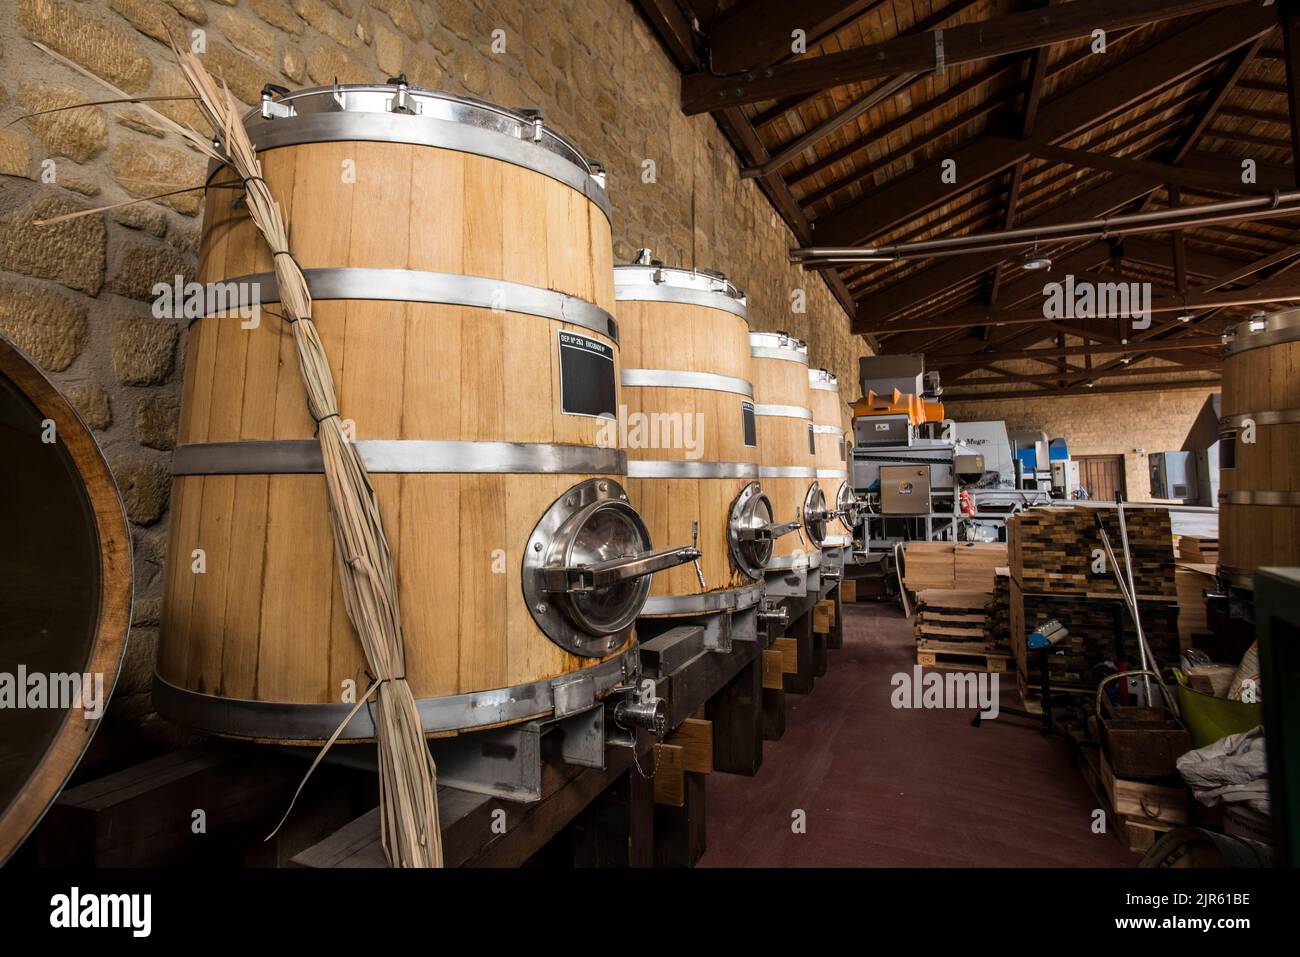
<point>787,463</point>
<point>686,371</point>
<point>459,269</point>
<point>65,591</point>
<point>832,453</point>
<point>1259,457</point>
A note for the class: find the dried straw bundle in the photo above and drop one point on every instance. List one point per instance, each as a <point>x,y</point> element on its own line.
<point>407,776</point>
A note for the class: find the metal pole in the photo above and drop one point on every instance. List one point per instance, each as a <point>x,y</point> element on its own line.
<point>1133,599</point>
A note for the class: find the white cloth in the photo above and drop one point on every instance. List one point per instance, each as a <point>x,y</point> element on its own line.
<point>1232,769</point>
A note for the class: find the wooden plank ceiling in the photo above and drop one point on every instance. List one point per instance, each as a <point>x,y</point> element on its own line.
<point>848,140</point>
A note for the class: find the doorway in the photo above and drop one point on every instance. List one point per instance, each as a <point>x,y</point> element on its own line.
<point>1102,476</point>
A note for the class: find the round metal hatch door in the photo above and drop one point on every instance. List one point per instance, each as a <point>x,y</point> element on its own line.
<point>748,531</point>
<point>588,525</point>
<point>814,513</point>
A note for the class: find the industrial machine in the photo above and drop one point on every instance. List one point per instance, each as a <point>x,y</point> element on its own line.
<point>1191,474</point>
<point>921,476</point>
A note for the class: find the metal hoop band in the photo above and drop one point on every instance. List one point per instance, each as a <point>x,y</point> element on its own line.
<point>243,718</point>
<point>1259,497</point>
<point>676,379</point>
<point>682,469</point>
<point>300,456</point>
<point>413,285</point>
<point>1271,417</point>
<point>786,471</point>
<point>784,411</point>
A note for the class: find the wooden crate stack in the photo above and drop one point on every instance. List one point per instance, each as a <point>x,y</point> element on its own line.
<point>998,631</point>
<point>952,632</point>
<point>1193,579</point>
<point>1051,556</point>
<point>1198,549</point>
<point>964,566</point>
<point>929,565</point>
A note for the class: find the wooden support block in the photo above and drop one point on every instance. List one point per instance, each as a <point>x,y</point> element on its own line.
<point>801,682</point>
<point>823,616</point>
<point>835,639</point>
<point>789,651</point>
<point>848,590</point>
<point>695,737</point>
<point>773,713</point>
<point>736,713</point>
<point>147,815</point>
<point>617,828</point>
<point>773,668</point>
<point>670,767</point>
<point>680,836</point>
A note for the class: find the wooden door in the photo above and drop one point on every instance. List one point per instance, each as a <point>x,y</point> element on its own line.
<point>1102,476</point>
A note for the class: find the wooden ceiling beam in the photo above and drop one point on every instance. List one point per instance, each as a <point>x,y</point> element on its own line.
<point>1289,12</point>
<point>1121,88</point>
<point>1123,372</point>
<point>675,31</point>
<point>1173,385</point>
<point>1093,348</point>
<point>924,284</point>
<point>1160,173</point>
<point>759,33</point>
<point>1014,33</point>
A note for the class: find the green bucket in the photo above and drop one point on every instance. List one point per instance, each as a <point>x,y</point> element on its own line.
<point>1209,718</point>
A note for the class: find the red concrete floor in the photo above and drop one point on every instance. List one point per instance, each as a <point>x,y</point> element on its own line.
<point>886,787</point>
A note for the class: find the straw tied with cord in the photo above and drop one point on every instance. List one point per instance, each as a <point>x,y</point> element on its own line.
<point>407,776</point>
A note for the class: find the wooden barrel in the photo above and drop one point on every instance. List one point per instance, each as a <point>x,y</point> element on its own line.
<point>691,436</point>
<point>832,452</point>
<point>786,453</point>
<point>65,592</point>
<point>460,263</point>
<point>1259,452</point>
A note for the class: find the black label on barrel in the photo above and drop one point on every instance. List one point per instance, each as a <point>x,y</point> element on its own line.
<point>587,381</point>
<point>812,441</point>
<point>751,426</point>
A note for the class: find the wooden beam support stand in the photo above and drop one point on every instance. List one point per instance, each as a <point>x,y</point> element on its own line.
<point>737,716</point>
<point>805,675</point>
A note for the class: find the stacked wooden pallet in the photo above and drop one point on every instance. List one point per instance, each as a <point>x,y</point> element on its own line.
<point>1198,549</point>
<point>1056,550</point>
<point>975,564</point>
<point>929,565</point>
<point>1193,579</point>
<point>1057,571</point>
<point>964,566</point>
<point>998,631</point>
<point>952,632</point>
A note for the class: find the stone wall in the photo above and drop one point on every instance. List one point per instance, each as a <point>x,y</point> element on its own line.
<point>76,296</point>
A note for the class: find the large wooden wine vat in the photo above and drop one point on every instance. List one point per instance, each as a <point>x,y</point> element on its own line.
<point>831,453</point>
<point>460,263</point>
<point>787,463</point>
<point>65,592</point>
<point>692,443</point>
<point>1259,457</point>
